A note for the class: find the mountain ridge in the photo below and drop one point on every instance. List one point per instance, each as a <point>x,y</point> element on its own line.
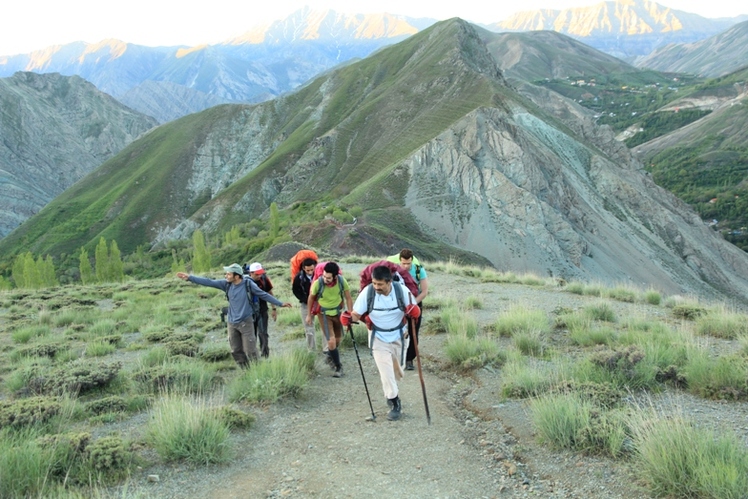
<point>431,143</point>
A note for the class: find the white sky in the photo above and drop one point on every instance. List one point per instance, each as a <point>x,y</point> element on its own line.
<point>29,25</point>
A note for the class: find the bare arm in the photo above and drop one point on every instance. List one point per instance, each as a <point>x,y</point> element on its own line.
<point>424,290</point>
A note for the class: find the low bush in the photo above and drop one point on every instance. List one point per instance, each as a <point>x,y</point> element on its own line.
<point>676,459</point>
<point>568,421</point>
<point>184,428</point>
<point>722,324</point>
<point>464,352</point>
<point>277,377</point>
<point>522,380</point>
<point>32,411</point>
<point>520,319</point>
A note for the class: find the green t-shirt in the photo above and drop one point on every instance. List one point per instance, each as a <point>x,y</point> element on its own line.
<point>331,296</point>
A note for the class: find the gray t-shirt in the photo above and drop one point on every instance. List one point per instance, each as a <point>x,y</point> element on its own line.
<point>240,309</point>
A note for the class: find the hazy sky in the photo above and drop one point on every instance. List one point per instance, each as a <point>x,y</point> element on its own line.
<point>35,24</point>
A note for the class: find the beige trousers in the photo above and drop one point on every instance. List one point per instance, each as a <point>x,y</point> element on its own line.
<point>387,358</point>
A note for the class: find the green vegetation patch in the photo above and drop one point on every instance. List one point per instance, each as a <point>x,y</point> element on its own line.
<point>28,412</point>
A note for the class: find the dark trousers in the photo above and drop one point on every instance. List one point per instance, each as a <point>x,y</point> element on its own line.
<point>261,330</point>
<point>411,354</point>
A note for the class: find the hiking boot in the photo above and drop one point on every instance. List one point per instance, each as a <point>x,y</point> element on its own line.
<point>329,361</point>
<point>396,407</point>
<point>409,365</point>
<point>338,372</point>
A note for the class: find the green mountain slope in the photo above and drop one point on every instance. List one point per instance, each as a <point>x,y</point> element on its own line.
<point>355,123</point>
<point>706,162</point>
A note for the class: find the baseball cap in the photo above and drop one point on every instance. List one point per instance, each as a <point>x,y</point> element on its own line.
<point>235,268</point>
<point>256,267</point>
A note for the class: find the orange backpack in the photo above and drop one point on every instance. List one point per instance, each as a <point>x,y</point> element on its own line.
<point>299,257</point>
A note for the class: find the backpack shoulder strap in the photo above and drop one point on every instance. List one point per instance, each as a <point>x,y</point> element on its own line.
<point>399,296</point>
<point>418,274</point>
<point>370,293</point>
<point>320,286</point>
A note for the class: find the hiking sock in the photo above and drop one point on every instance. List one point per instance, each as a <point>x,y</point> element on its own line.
<point>335,356</point>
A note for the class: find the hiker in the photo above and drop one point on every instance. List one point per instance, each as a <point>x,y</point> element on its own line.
<point>258,275</point>
<point>386,304</point>
<point>301,285</point>
<point>408,263</point>
<point>239,291</point>
<point>329,292</point>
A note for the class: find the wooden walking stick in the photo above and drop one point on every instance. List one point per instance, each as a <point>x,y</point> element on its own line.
<point>413,338</point>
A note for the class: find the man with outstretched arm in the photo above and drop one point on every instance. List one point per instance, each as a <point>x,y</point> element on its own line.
<point>387,304</point>
<point>240,325</point>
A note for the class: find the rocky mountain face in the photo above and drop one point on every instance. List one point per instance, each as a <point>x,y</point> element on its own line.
<point>715,56</point>
<point>55,129</point>
<point>623,28</point>
<point>435,146</point>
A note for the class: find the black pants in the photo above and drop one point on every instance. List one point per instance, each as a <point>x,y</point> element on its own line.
<point>411,354</point>
<point>261,330</point>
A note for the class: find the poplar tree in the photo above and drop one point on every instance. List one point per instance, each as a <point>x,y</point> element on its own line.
<point>31,272</point>
<point>274,220</point>
<point>101,255</point>
<point>116,267</point>
<point>87,273</point>
<point>47,272</point>
<point>17,271</point>
<point>200,255</point>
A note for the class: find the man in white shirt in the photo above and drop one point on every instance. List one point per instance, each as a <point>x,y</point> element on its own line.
<point>386,305</point>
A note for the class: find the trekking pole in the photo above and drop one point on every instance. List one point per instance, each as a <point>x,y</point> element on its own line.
<point>418,362</point>
<point>350,330</point>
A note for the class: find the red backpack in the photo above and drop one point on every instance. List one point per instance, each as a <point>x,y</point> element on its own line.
<point>398,275</point>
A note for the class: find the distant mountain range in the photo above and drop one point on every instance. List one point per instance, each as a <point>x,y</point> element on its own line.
<point>434,149</point>
<point>54,130</point>
<point>715,56</point>
<point>623,28</point>
<point>270,60</point>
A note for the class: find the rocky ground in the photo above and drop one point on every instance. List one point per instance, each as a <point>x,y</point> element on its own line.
<point>324,443</point>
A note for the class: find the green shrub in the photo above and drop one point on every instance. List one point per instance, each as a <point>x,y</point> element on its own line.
<point>183,428</point>
<point>530,343</point>
<point>677,459</point>
<point>274,378</point>
<point>31,411</point>
<point>465,352</point>
<point>99,349</point>
<point>183,376</point>
<point>652,297</point>
<point>575,287</point>
<point>113,403</point>
<point>717,378</point>
<point>25,333</point>
<point>600,311</point>
<point>215,353</point>
<point>520,319</point>
<point>592,336</point>
<point>567,421</point>
<point>235,419</point>
<point>722,325</point>
<point>76,377</point>
<point>522,380</point>
<point>473,303</point>
<point>689,311</point>
<point>622,293</point>
<point>458,322</point>
<point>103,327</point>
